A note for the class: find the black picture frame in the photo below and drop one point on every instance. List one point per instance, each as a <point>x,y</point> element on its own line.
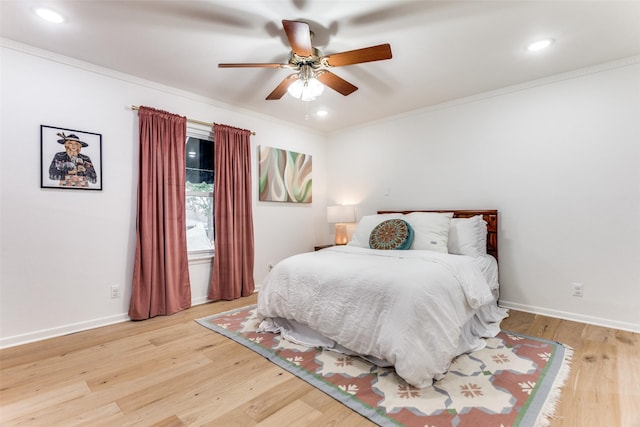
<point>70,159</point>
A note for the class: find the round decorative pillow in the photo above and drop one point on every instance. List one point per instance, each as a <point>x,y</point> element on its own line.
<point>391,234</point>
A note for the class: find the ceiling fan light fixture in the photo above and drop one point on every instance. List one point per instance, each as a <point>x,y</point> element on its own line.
<point>306,89</point>
<point>313,74</point>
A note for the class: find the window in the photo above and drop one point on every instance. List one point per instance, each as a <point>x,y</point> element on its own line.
<point>199,192</point>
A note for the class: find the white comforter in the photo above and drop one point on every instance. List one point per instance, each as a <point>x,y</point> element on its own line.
<point>415,309</point>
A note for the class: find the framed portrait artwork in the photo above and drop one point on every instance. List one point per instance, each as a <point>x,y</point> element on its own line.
<point>70,159</point>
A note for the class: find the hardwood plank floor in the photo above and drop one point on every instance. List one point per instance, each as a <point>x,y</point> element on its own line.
<point>170,371</point>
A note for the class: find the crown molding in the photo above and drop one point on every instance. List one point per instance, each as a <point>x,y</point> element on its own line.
<point>108,72</point>
<point>569,75</point>
<point>581,72</point>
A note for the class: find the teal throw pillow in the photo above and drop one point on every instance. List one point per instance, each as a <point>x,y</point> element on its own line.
<point>391,234</point>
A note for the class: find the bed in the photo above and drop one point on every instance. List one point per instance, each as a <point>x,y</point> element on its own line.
<point>429,298</point>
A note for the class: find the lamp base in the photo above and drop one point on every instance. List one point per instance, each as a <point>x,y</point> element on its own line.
<point>341,234</point>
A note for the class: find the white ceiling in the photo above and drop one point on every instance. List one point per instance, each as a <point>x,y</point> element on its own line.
<point>442,50</point>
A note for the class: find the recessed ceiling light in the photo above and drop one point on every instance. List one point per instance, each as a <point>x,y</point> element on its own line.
<point>539,45</point>
<point>49,15</point>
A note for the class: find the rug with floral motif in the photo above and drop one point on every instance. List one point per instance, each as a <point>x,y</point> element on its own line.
<point>515,381</point>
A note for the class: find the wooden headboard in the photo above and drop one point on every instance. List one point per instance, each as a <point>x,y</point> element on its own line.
<point>490,216</point>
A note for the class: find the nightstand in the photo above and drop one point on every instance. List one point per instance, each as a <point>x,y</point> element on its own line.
<point>317,248</point>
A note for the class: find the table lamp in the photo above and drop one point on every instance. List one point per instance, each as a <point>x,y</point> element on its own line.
<point>340,215</point>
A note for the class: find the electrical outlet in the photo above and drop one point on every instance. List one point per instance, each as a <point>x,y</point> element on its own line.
<point>115,291</point>
<point>577,289</point>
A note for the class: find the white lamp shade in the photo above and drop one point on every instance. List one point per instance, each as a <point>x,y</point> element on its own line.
<point>340,214</point>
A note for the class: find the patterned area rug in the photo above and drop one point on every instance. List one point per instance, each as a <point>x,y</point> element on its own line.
<point>514,381</point>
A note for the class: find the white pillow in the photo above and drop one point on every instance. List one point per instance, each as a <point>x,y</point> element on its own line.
<point>468,236</point>
<point>431,230</point>
<point>366,225</point>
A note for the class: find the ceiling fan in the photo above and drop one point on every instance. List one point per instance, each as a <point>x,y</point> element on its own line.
<point>312,69</point>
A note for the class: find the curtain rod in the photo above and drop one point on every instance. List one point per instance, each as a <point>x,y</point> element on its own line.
<point>199,122</point>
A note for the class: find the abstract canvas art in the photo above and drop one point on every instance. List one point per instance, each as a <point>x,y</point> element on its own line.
<point>285,176</point>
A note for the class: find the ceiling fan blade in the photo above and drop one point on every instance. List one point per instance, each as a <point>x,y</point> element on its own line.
<point>250,65</point>
<point>336,83</point>
<point>358,56</point>
<point>299,37</point>
<point>281,89</point>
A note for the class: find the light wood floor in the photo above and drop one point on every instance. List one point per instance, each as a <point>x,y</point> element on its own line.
<point>170,371</point>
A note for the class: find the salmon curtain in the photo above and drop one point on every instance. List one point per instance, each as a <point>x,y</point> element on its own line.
<point>232,275</point>
<point>160,283</point>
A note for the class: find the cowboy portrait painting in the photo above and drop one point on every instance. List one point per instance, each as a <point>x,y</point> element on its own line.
<point>71,153</point>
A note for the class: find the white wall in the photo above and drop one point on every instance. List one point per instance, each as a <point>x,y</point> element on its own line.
<point>62,250</point>
<point>559,159</point>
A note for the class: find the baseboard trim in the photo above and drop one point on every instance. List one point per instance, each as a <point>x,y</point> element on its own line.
<point>73,328</point>
<point>44,334</point>
<point>199,300</point>
<point>591,320</point>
